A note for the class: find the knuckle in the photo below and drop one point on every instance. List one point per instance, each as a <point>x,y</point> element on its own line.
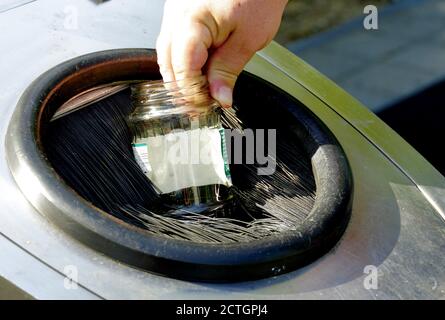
<point>217,72</point>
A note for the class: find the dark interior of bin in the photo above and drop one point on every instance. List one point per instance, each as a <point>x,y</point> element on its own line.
<point>91,150</point>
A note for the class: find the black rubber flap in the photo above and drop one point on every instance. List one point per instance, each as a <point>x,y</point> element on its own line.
<point>258,100</point>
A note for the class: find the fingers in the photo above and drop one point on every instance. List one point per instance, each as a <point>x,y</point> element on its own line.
<point>182,54</point>
<point>224,66</point>
<point>163,43</point>
<point>163,48</point>
<point>189,50</point>
<point>183,42</point>
<point>190,28</point>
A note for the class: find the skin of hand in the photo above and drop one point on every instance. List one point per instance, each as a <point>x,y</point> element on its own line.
<point>215,37</point>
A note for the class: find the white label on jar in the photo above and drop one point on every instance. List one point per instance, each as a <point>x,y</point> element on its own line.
<point>184,158</point>
<point>140,151</point>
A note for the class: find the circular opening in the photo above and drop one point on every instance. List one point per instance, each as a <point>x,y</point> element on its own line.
<point>283,220</point>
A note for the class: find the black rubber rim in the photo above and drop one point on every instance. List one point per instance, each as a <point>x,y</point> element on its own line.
<point>175,258</point>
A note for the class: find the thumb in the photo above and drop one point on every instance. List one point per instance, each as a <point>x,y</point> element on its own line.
<point>224,66</point>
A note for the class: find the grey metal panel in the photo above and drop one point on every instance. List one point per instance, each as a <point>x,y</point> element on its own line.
<point>393,226</point>
<point>13,4</point>
<point>429,181</point>
<point>24,276</point>
<point>9,291</point>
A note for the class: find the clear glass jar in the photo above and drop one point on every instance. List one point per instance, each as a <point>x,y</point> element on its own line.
<point>179,142</point>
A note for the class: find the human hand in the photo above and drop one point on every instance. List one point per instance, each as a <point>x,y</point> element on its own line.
<point>217,37</point>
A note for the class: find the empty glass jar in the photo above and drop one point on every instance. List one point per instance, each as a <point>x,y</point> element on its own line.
<point>179,141</point>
